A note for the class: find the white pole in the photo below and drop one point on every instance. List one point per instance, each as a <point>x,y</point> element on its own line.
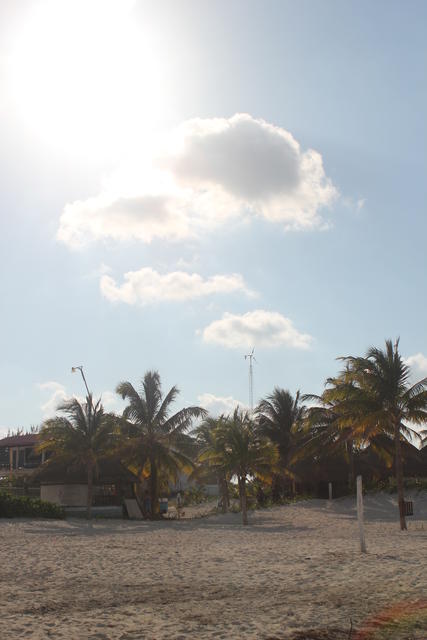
<point>360,514</point>
<point>330,490</point>
<point>251,380</point>
<point>251,385</point>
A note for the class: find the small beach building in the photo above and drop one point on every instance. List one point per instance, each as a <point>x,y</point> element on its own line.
<point>18,455</point>
<point>67,486</point>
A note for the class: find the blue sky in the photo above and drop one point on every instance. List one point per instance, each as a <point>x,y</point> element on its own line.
<point>257,169</point>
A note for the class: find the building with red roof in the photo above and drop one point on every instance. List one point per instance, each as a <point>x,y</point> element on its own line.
<point>18,455</point>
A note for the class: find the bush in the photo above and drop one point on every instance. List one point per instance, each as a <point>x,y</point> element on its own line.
<point>13,507</point>
<point>194,495</point>
<point>389,484</point>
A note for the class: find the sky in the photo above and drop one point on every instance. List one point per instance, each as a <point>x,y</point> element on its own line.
<point>181,182</point>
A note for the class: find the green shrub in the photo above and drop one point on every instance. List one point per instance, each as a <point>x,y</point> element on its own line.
<point>389,485</point>
<point>24,507</point>
<point>194,495</point>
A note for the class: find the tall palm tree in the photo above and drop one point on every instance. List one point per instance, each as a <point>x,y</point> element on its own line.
<point>211,455</point>
<point>329,425</point>
<point>278,416</point>
<point>82,436</point>
<point>244,452</point>
<point>156,440</point>
<point>386,402</point>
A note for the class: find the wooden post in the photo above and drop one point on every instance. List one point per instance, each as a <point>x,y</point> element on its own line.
<point>330,490</point>
<point>360,514</point>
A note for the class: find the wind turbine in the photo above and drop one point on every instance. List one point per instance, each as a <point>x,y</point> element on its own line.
<point>252,359</point>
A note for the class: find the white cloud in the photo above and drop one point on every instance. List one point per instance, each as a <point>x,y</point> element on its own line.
<point>147,286</point>
<point>256,328</point>
<point>141,218</point>
<point>100,271</point>
<point>112,402</point>
<point>360,203</point>
<point>418,363</point>
<point>217,405</point>
<point>4,431</point>
<point>57,395</point>
<point>211,170</point>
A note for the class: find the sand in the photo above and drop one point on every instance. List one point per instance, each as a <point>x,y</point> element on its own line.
<point>294,569</point>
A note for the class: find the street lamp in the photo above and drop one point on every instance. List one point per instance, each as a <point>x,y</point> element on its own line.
<point>80,368</point>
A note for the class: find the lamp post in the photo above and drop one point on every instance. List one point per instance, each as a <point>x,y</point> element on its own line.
<point>91,463</point>
<point>80,368</point>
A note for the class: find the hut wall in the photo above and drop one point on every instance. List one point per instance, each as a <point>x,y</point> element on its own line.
<point>65,495</point>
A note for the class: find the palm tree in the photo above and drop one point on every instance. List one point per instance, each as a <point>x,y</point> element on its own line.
<point>244,452</point>
<point>82,436</point>
<point>278,416</point>
<point>386,401</point>
<point>156,441</point>
<point>210,456</point>
<point>329,426</point>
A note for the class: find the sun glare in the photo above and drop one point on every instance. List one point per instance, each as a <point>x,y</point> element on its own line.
<point>85,77</point>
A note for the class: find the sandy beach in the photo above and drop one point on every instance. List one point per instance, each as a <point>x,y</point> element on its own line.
<point>294,572</point>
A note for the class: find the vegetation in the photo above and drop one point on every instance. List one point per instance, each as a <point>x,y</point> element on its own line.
<point>211,457</point>
<point>279,416</point>
<point>24,507</point>
<point>372,401</point>
<point>155,442</point>
<point>386,402</point>
<point>239,449</point>
<point>83,435</point>
<point>361,423</point>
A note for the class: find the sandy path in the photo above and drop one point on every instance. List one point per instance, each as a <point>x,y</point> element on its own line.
<point>294,568</point>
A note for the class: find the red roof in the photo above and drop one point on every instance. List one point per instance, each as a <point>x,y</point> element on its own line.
<point>26,440</point>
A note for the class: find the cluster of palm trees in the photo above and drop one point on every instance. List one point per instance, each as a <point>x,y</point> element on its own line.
<point>371,402</point>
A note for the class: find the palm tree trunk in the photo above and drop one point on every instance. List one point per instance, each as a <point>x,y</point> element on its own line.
<point>154,487</point>
<point>350,450</point>
<point>226,492</point>
<point>239,484</point>
<point>223,487</point>
<point>399,474</point>
<point>275,489</point>
<point>243,500</point>
<point>89,490</point>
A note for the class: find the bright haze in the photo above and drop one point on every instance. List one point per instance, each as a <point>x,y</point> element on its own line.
<point>184,181</point>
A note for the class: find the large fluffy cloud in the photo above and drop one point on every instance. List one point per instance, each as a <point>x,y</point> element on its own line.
<point>212,170</point>
<point>256,328</point>
<point>147,286</point>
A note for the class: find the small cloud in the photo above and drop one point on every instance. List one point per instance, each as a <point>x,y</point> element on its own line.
<point>57,395</point>
<point>360,203</point>
<point>112,402</point>
<point>256,328</point>
<point>147,286</point>
<point>352,204</point>
<point>182,263</point>
<point>418,363</point>
<point>4,431</point>
<point>99,272</point>
<point>216,405</point>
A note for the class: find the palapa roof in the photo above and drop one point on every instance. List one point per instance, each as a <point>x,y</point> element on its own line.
<point>25,440</point>
<point>109,471</point>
